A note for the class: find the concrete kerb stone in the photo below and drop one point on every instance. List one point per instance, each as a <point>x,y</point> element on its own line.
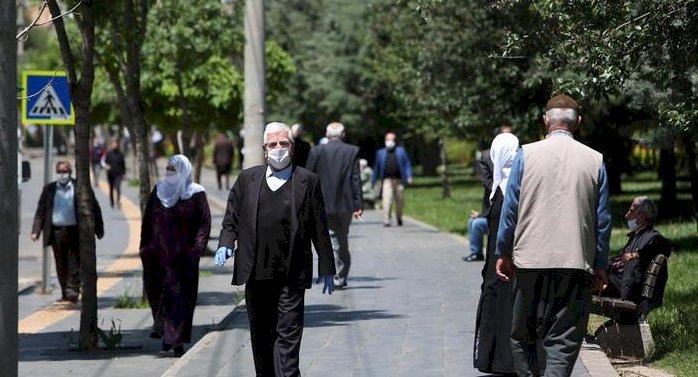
<point>594,359</point>
<point>192,355</point>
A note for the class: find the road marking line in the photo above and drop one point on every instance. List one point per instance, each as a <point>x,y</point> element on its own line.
<point>127,261</point>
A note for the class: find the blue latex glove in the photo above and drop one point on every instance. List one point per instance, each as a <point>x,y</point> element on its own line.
<point>329,283</point>
<point>222,254</point>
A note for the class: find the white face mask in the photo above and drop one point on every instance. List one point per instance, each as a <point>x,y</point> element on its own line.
<point>632,225</point>
<point>171,177</point>
<point>390,144</point>
<point>279,158</point>
<point>63,178</point>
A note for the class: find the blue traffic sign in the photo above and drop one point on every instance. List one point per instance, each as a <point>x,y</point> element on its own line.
<point>46,98</point>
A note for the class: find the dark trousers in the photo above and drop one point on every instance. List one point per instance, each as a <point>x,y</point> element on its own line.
<point>275,311</point>
<point>223,170</point>
<point>549,320</point>
<point>114,185</point>
<point>338,226</point>
<point>66,252</point>
<point>626,284</point>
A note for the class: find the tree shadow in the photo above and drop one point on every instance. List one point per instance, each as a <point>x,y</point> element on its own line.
<point>60,345</point>
<point>332,315</point>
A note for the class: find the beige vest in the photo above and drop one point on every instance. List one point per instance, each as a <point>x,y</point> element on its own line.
<point>556,226</point>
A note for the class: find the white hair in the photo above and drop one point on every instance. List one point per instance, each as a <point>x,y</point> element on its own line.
<point>646,206</point>
<point>566,116</point>
<point>335,130</point>
<point>275,127</point>
<point>296,129</point>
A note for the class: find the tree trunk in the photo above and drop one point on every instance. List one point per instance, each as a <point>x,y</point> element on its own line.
<point>690,146</point>
<point>127,36</point>
<point>8,187</point>
<point>444,169</point>
<point>199,160</point>
<point>667,174</point>
<point>81,93</point>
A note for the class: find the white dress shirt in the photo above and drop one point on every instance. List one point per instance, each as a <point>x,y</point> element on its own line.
<point>276,179</point>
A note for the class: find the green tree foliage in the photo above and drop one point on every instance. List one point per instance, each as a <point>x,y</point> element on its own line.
<point>188,76</point>
<point>326,40</point>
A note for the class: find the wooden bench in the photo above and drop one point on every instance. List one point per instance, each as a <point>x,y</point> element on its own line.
<point>627,334</point>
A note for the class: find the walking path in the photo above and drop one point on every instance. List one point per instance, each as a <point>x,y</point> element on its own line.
<point>409,310</point>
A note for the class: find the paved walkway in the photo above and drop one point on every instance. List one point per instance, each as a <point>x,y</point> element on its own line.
<point>408,311</point>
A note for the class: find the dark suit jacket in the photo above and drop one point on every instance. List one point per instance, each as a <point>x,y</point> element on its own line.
<point>485,169</point>
<point>43,218</point>
<point>301,151</point>
<point>337,164</point>
<point>308,225</point>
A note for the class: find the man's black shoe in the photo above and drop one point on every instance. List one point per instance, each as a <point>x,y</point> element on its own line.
<point>399,222</point>
<point>473,258</point>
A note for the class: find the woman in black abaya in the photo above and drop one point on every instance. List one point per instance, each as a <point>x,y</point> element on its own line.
<point>492,351</point>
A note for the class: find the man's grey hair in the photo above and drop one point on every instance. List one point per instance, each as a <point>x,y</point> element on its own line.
<point>566,116</point>
<point>335,130</point>
<point>275,127</point>
<point>296,129</point>
<point>646,206</point>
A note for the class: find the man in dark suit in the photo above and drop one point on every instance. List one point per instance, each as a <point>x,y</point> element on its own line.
<point>57,217</point>
<point>337,164</point>
<point>274,212</point>
<point>301,148</point>
<point>223,151</point>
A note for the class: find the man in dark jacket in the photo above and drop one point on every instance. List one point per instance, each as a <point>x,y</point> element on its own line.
<point>337,164</point>
<point>57,217</point>
<point>115,163</point>
<point>627,269</point>
<point>223,159</point>
<point>394,169</point>
<point>274,212</point>
<point>301,148</point>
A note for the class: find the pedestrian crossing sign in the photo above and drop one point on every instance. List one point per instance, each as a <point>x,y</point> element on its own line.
<point>46,98</point>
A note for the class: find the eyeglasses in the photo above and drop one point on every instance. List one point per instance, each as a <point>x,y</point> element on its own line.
<point>62,171</point>
<point>274,144</point>
<point>171,168</point>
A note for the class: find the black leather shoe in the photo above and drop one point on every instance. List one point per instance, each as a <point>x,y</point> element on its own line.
<point>473,258</point>
<point>178,350</point>
<point>399,222</point>
<point>166,347</point>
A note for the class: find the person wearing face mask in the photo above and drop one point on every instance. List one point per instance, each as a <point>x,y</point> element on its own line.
<point>337,164</point>
<point>626,270</point>
<point>393,167</point>
<point>174,234</point>
<point>57,217</point>
<point>274,213</point>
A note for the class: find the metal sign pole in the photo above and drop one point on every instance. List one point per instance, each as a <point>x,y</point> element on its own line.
<point>48,162</point>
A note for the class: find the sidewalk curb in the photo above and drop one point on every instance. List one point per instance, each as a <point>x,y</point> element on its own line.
<point>593,358</point>
<point>211,337</point>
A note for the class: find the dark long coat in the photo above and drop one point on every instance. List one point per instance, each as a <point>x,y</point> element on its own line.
<point>492,351</point>
<point>172,242</point>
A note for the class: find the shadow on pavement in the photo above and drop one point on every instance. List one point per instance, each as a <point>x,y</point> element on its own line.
<point>333,315</point>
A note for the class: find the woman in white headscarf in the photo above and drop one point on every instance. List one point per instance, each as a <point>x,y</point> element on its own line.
<point>174,235</point>
<point>492,352</point>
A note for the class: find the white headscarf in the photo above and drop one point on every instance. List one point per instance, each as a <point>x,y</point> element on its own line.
<point>180,187</point>
<point>502,152</point>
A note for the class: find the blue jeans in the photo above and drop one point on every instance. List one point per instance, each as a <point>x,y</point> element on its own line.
<point>477,228</point>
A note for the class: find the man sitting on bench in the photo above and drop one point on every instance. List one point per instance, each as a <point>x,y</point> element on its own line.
<point>626,271</point>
